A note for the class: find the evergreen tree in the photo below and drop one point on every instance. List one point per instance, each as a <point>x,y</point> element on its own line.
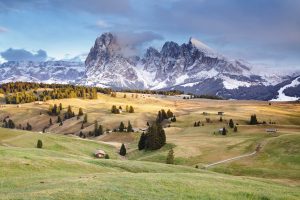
<point>235,129</point>
<point>173,119</point>
<point>82,127</point>
<point>231,124</point>
<point>39,144</point>
<point>253,120</point>
<point>50,122</point>
<point>121,127</point>
<point>170,157</point>
<point>59,119</point>
<point>195,124</point>
<point>169,113</point>
<point>142,141</point>
<point>85,119</point>
<point>80,112</point>
<point>198,123</point>
<point>28,127</point>
<point>221,119</point>
<point>148,124</point>
<point>224,131</point>
<point>129,127</point>
<point>159,117</point>
<point>156,137</point>
<point>164,114</point>
<point>96,128</point>
<point>60,106</point>
<point>100,130</point>
<point>123,150</point>
<point>131,109</point>
<point>80,134</point>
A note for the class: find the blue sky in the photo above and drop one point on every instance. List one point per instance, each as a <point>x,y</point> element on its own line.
<point>263,32</point>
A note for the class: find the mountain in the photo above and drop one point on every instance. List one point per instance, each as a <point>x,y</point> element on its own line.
<point>192,67</point>
<point>47,72</point>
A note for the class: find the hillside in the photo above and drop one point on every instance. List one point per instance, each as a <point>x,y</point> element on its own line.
<point>62,170</point>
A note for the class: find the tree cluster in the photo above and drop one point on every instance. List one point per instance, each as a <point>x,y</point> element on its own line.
<point>154,139</point>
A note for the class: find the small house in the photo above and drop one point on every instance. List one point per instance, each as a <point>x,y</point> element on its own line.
<point>220,113</point>
<point>99,153</point>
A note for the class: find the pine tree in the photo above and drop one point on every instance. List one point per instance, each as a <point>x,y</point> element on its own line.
<point>39,144</point>
<point>28,127</point>
<point>60,106</point>
<point>170,157</point>
<point>85,118</point>
<point>59,119</point>
<point>235,129</point>
<point>231,124</point>
<point>50,122</point>
<point>121,127</point>
<point>131,109</point>
<point>80,112</point>
<point>148,124</point>
<point>123,150</point>
<point>224,131</point>
<point>169,113</point>
<point>82,127</point>
<point>221,119</point>
<point>173,119</point>
<point>129,127</point>
<point>195,124</point>
<point>253,120</point>
<point>100,130</point>
<point>159,117</point>
<point>164,114</point>
<point>142,141</point>
<point>80,134</point>
<point>96,128</point>
<point>156,137</point>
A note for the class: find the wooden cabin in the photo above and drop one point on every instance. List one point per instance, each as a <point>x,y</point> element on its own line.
<point>99,154</point>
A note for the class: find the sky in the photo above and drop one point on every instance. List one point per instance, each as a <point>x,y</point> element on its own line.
<point>262,32</point>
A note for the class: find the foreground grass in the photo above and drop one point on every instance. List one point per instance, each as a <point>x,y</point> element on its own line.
<point>59,173</point>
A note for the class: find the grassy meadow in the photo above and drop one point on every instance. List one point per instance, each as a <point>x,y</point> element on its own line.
<point>66,169</point>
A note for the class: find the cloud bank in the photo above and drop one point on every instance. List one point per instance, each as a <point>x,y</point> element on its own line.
<point>23,55</point>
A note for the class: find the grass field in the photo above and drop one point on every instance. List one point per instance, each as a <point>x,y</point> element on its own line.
<point>273,173</point>
<point>60,173</point>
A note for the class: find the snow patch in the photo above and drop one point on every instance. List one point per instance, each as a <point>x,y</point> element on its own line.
<point>282,97</point>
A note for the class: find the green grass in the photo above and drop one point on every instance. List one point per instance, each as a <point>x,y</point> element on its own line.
<point>278,159</point>
<point>65,169</point>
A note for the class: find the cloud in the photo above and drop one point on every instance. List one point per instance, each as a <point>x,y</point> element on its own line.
<point>133,42</point>
<point>91,6</point>
<point>3,29</point>
<point>23,55</point>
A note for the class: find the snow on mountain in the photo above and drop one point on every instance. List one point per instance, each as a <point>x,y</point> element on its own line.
<point>281,92</point>
<point>191,67</point>
<point>47,72</point>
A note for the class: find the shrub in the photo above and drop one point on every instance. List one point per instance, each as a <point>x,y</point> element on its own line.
<point>170,157</point>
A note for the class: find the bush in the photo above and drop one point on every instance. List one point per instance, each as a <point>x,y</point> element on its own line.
<point>39,144</point>
<point>106,156</point>
<point>170,157</point>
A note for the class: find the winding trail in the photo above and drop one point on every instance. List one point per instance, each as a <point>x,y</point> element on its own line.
<point>234,158</point>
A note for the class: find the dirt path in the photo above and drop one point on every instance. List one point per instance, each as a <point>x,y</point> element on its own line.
<point>235,158</point>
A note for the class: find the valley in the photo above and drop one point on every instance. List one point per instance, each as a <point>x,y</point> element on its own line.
<point>66,159</point>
